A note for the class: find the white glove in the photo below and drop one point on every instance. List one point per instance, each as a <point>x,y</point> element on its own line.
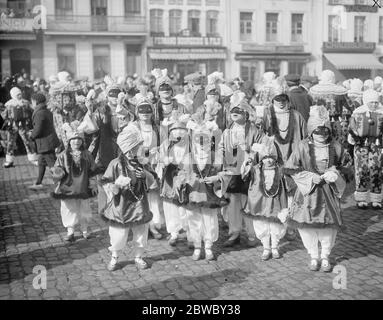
<point>330,177</point>
<point>122,181</point>
<point>283,215</point>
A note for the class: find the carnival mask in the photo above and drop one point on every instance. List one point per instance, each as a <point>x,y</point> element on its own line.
<point>237,115</point>
<point>165,95</point>
<point>321,134</point>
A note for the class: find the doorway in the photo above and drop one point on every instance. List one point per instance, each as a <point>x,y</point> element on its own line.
<point>20,61</point>
<point>99,12</point>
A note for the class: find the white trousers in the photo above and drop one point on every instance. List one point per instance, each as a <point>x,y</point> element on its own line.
<point>269,231</point>
<point>156,207</point>
<point>75,211</point>
<point>233,216</point>
<point>312,237</point>
<point>203,225</point>
<point>175,219</point>
<point>119,238</point>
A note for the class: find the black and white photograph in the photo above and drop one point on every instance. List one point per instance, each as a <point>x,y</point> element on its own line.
<point>202,152</point>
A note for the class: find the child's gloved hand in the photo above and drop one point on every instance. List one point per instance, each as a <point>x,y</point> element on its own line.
<point>122,181</point>
<point>115,189</point>
<point>330,177</point>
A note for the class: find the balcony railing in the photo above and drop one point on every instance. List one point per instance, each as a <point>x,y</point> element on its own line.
<point>186,41</point>
<point>79,24</point>
<point>349,47</point>
<point>9,25</point>
<point>356,5</point>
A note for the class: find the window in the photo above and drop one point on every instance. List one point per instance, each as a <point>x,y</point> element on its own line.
<point>246,25</point>
<point>212,23</point>
<point>175,18</point>
<point>271,27</point>
<point>156,22</point>
<point>297,27</point>
<point>334,29</point>
<point>380,29</point>
<point>132,7</point>
<point>63,8</point>
<point>359,29</point>
<point>297,67</point>
<point>101,61</point>
<point>66,57</point>
<point>193,22</point>
<point>248,71</point>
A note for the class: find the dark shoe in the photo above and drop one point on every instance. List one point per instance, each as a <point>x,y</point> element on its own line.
<point>69,238</point>
<point>266,255</point>
<point>326,265</point>
<point>291,235</point>
<point>252,243</point>
<point>275,253</point>
<point>140,264</point>
<point>231,242</point>
<point>190,245</point>
<point>376,206</point>
<point>8,165</point>
<point>172,242</point>
<point>314,265</point>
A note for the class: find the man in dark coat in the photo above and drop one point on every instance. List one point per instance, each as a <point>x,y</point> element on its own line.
<point>300,99</point>
<point>44,135</point>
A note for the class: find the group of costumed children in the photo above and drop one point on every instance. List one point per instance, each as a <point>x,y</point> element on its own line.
<point>247,173</point>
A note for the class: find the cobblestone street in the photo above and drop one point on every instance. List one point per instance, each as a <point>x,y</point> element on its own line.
<point>31,234</point>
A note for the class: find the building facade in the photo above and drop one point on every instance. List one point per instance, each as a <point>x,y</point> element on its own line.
<point>187,36</point>
<point>272,35</point>
<point>353,38</point>
<point>20,37</point>
<point>95,37</point>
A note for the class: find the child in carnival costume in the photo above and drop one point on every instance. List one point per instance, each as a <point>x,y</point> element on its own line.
<point>267,196</point>
<point>173,162</point>
<point>75,170</point>
<point>17,120</point>
<point>316,208</point>
<point>233,150</point>
<point>151,135</point>
<point>366,125</point>
<point>204,181</point>
<point>127,208</point>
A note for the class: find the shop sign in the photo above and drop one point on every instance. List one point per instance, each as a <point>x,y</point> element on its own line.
<point>187,41</point>
<point>16,25</point>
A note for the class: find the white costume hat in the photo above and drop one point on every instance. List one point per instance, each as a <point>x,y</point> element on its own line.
<point>370,96</point>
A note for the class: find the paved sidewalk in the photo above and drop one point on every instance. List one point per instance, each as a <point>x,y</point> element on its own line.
<point>31,234</point>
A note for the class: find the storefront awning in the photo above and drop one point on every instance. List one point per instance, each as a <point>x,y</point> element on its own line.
<point>354,61</point>
<point>200,54</point>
